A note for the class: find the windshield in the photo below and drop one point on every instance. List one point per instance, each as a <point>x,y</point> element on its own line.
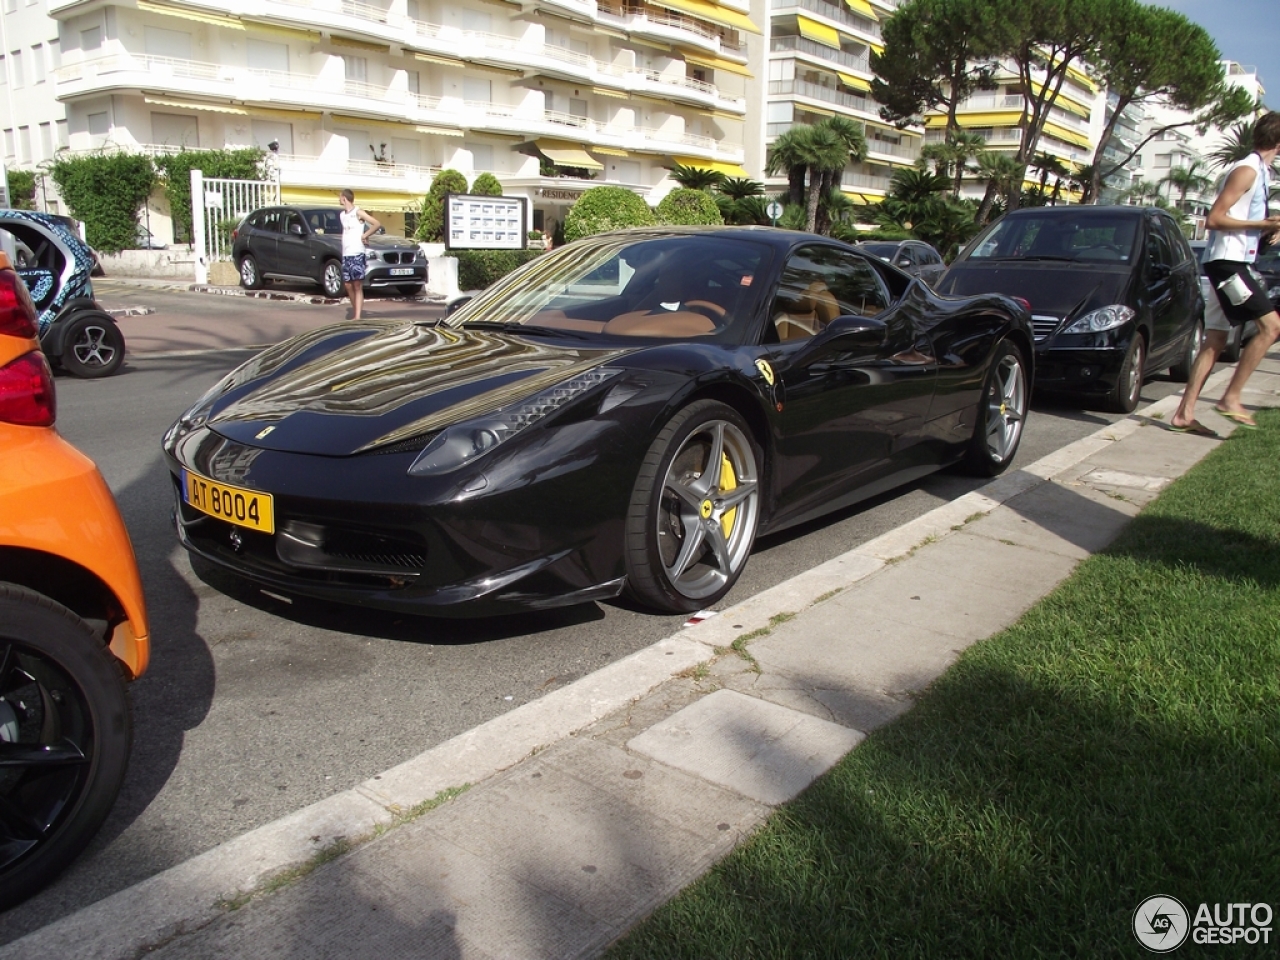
<point>1057,237</point>
<point>628,284</point>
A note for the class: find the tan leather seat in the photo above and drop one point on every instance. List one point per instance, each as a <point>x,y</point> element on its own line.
<point>663,323</point>
<point>806,315</point>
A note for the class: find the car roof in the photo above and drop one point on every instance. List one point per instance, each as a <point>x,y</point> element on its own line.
<point>1076,210</point>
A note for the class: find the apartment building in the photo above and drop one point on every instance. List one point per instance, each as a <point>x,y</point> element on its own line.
<point>34,125</point>
<point>550,96</point>
<point>819,65</point>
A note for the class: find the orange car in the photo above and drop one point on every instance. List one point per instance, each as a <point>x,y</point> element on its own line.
<point>73,623</point>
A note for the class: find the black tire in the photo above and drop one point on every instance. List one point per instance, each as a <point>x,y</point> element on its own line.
<point>688,536</point>
<point>250,275</point>
<point>65,737</point>
<point>1002,412</point>
<point>1235,342</point>
<point>1191,347</point>
<point>411,289</point>
<point>92,345</point>
<point>331,279</point>
<point>1124,396</point>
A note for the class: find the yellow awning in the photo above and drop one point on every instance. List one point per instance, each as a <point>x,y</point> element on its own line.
<point>1082,78</point>
<point>857,83</point>
<point>197,105</point>
<point>259,26</point>
<point>710,11</point>
<point>567,154</point>
<point>1068,136</point>
<point>432,58</point>
<point>438,131</point>
<point>199,16</point>
<point>1005,118</point>
<point>611,151</point>
<point>340,41</point>
<point>862,7</point>
<point>606,92</point>
<point>719,166</point>
<point>808,108</point>
<point>1067,101</point>
<point>367,199</point>
<point>718,63</point>
<point>876,46</point>
<point>368,122</point>
<point>818,32</point>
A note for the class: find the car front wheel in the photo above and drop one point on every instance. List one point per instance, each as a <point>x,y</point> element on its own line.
<point>1124,396</point>
<point>694,509</point>
<point>93,346</point>
<point>1181,371</point>
<point>1001,413</point>
<point>65,737</point>
<point>331,279</point>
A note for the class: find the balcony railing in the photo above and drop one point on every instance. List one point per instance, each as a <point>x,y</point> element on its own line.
<point>814,91</point>
<point>821,51</point>
<point>832,11</point>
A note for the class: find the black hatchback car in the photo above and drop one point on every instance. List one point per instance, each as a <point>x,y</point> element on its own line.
<point>304,244</point>
<point>1114,295</point>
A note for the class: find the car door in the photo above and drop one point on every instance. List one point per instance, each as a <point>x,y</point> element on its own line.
<point>294,256</point>
<point>1165,301</point>
<point>260,239</point>
<point>851,402</point>
<point>931,265</point>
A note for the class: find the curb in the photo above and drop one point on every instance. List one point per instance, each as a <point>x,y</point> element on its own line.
<point>187,897</point>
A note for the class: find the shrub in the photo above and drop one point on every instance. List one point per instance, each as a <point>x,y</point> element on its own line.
<point>486,185</point>
<point>106,191</point>
<point>602,209</point>
<point>431,214</point>
<point>685,205</point>
<point>478,269</point>
<point>22,189</point>
<point>175,175</point>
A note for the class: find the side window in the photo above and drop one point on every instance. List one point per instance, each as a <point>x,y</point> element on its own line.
<point>270,221</point>
<point>1179,249</point>
<point>1158,253</point>
<point>821,283</point>
<point>293,224</point>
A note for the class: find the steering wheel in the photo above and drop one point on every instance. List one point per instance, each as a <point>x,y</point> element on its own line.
<point>1104,246</point>
<point>712,310</point>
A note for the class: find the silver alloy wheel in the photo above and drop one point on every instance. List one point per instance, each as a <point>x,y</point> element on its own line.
<point>1006,407</point>
<point>93,347</point>
<point>707,516</point>
<point>248,273</point>
<point>331,279</point>
<point>1133,372</point>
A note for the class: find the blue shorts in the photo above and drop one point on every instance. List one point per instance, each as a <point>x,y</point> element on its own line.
<point>352,268</point>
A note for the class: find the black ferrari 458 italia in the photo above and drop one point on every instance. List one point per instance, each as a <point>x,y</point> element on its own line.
<point>625,414</point>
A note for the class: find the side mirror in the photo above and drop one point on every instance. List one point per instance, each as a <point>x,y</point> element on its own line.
<point>296,229</point>
<point>1159,271</point>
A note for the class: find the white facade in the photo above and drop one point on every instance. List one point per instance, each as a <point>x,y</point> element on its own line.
<point>380,96</point>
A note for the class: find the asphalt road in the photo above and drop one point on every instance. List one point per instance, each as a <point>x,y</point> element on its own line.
<point>254,708</point>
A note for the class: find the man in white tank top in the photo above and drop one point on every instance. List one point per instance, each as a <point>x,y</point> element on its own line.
<point>1238,224</point>
<point>357,227</point>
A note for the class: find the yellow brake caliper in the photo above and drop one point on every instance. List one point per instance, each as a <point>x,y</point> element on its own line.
<point>728,481</point>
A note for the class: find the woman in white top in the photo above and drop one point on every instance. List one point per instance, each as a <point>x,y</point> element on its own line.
<point>357,227</point>
<point>1237,223</point>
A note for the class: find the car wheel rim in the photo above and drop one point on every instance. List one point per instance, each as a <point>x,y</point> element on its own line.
<point>46,749</point>
<point>707,516</point>
<point>332,281</point>
<point>1006,408</point>
<point>1133,375</point>
<point>247,273</point>
<point>92,347</point>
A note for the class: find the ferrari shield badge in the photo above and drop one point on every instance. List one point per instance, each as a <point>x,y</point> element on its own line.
<point>766,370</point>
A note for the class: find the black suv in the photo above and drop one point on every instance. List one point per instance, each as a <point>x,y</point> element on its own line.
<point>305,244</point>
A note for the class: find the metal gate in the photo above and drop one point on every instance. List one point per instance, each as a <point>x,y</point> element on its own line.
<point>217,207</point>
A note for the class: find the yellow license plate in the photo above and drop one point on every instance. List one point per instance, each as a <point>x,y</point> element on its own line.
<point>244,508</point>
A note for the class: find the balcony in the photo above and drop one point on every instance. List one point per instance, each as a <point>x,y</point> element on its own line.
<point>839,14</point>
<point>813,91</point>
<point>666,24</point>
<point>821,52</point>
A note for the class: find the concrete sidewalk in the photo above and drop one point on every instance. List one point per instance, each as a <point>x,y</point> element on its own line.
<point>588,808</point>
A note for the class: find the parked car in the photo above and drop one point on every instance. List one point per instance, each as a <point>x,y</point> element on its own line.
<point>1239,335</point>
<point>305,244</point>
<point>144,239</point>
<point>624,413</point>
<point>914,256</point>
<point>56,265</point>
<point>1113,292</point>
<point>73,623</point>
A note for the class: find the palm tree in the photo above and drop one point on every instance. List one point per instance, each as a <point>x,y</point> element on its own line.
<point>1001,173</point>
<point>739,188</point>
<point>741,200</point>
<point>1187,180</point>
<point>696,178</point>
<point>1143,191</point>
<point>807,154</point>
<point>1237,143</point>
<point>1050,166</point>
<point>854,140</point>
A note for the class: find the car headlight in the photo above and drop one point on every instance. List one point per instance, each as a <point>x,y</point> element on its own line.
<point>198,412</point>
<point>370,255</point>
<point>464,442</point>
<point>1104,318</point>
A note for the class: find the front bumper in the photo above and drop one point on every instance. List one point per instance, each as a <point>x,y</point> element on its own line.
<point>1082,364</point>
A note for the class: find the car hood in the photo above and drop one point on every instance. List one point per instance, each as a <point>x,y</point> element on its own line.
<point>1056,291</point>
<point>355,387</point>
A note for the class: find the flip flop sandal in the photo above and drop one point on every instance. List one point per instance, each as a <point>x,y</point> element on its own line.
<point>1240,419</point>
<point>1195,428</point>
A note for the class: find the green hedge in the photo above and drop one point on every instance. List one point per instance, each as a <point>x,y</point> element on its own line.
<point>175,175</point>
<point>22,189</point>
<point>106,191</point>
<point>431,213</point>
<point>602,209</point>
<point>686,206</point>
<point>478,269</point>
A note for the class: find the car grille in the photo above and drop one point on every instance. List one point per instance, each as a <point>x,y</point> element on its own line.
<point>1042,327</point>
<point>398,256</point>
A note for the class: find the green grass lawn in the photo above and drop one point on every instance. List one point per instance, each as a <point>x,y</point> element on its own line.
<point>1122,740</point>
